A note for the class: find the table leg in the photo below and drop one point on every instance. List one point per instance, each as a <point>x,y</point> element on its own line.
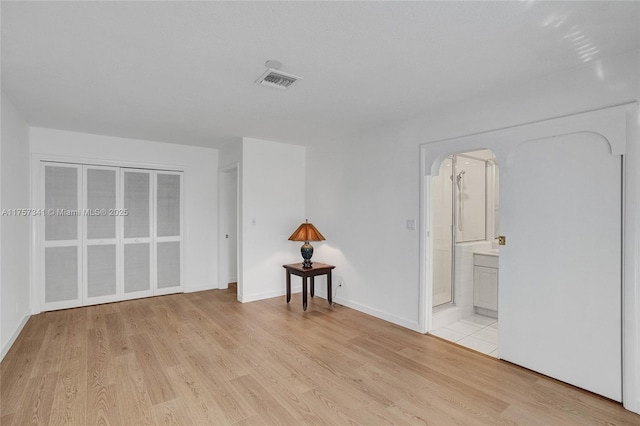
<point>312,286</point>
<point>304,293</point>
<point>288,286</point>
<point>329,292</point>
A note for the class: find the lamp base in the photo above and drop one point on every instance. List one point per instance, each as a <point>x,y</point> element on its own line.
<point>307,252</point>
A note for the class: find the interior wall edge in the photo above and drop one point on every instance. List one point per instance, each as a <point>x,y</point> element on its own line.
<point>14,247</point>
<point>409,323</point>
<point>7,346</point>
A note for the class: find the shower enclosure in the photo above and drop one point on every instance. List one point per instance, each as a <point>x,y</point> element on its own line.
<point>461,214</point>
<point>443,233</point>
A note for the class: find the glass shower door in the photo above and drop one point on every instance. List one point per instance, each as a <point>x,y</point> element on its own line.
<point>442,189</point>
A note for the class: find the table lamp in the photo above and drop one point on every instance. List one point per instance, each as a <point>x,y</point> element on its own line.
<point>306,232</point>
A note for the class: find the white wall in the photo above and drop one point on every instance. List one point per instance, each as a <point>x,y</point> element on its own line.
<point>232,226</point>
<point>230,155</point>
<point>367,186</point>
<point>14,247</point>
<point>200,180</point>
<point>362,192</point>
<point>273,206</point>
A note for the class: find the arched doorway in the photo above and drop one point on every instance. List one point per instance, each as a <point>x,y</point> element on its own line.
<point>596,129</point>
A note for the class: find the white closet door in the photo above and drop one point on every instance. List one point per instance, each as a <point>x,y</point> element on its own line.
<point>109,234</point>
<point>101,283</point>
<point>168,232</point>
<point>137,202</point>
<point>62,255</point>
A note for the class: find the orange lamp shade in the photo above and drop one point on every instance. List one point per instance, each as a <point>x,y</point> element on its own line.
<point>306,232</point>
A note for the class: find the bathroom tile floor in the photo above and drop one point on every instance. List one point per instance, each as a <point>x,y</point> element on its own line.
<point>476,332</point>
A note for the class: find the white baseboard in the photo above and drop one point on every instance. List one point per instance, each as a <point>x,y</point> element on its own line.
<point>199,288</point>
<point>14,336</point>
<point>403,322</point>
<point>268,294</point>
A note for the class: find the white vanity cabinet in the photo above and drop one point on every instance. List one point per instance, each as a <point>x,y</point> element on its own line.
<point>485,281</point>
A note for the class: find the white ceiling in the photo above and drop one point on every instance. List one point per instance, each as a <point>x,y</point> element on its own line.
<point>184,72</point>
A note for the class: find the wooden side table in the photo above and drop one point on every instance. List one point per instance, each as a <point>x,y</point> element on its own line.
<point>316,269</point>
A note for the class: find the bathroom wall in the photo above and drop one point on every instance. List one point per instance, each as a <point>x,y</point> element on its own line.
<point>470,199</point>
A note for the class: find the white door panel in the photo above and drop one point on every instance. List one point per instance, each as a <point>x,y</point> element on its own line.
<point>560,271</point>
<point>100,242</point>
<point>61,260</point>
<point>168,232</point>
<point>137,224</point>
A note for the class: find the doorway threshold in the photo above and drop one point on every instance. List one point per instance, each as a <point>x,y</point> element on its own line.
<point>475,332</point>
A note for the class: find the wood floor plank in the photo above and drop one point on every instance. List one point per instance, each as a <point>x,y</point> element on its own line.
<point>37,400</point>
<point>102,406</point>
<point>98,358</point>
<point>132,396</point>
<point>334,411</point>
<point>226,397</point>
<point>202,402</point>
<point>156,381</point>
<point>162,343</point>
<point>263,402</point>
<point>254,420</point>
<point>68,404</point>
<point>50,357</point>
<point>101,396</point>
<point>287,390</point>
<point>118,341</point>
<point>17,365</point>
<point>173,413</point>
<point>438,377</point>
<point>133,314</point>
<point>7,419</point>
<point>203,358</point>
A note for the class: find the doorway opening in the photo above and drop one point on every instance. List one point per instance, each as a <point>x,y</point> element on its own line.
<point>465,217</point>
<point>228,278</point>
<point>569,256</point>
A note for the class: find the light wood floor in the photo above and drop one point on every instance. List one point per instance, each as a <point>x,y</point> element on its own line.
<point>205,359</point>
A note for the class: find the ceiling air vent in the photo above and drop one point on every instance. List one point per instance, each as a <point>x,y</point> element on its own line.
<point>278,79</point>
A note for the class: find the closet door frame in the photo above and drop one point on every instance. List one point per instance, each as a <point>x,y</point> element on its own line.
<point>37,285</point>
